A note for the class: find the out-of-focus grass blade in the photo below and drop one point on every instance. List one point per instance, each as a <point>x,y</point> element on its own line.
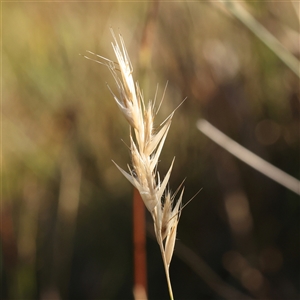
<point>248,157</point>
<point>263,34</point>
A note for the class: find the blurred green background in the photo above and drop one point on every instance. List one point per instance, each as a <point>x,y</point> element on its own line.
<point>66,211</point>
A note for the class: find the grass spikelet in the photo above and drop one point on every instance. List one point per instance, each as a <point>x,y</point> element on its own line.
<point>146,143</point>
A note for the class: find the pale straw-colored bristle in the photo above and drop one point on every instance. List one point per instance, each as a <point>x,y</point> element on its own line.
<point>146,144</point>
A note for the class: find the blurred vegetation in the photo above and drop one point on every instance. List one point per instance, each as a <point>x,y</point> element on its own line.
<point>66,219</point>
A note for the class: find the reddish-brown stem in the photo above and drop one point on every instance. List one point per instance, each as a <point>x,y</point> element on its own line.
<point>139,242</point>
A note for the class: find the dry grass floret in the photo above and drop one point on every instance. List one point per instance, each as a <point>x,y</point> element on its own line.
<point>146,144</point>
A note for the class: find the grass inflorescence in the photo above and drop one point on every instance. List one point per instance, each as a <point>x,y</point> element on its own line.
<point>146,144</point>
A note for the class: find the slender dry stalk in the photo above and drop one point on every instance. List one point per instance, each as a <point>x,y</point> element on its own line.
<point>146,143</point>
